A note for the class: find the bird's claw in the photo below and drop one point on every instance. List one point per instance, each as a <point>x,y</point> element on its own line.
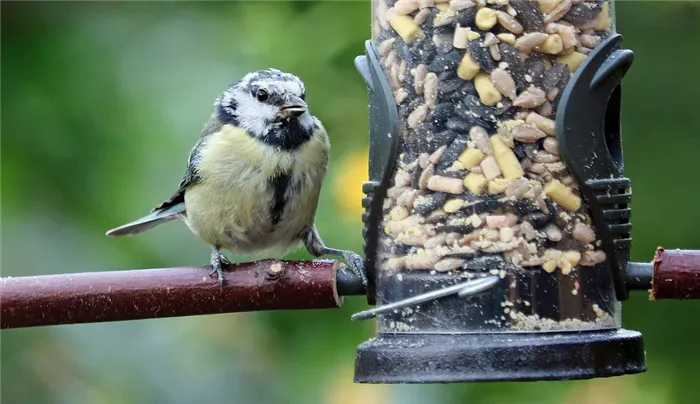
<point>224,260</point>
<point>217,262</point>
<point>356,264</point>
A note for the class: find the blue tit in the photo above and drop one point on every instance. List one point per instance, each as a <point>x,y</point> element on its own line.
<point>254,176</point>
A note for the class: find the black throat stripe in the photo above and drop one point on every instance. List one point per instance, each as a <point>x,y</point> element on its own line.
<point>288,136</point>
<point>280,184</point>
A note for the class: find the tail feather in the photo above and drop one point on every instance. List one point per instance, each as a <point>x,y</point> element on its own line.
<point>149,221</point>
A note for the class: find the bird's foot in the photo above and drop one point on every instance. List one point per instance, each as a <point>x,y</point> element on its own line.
<point>356,264</point>
<point>315,246</point>
<point>218,260</point>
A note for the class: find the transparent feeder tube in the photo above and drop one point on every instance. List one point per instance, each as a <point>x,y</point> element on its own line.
<point>479,187</point>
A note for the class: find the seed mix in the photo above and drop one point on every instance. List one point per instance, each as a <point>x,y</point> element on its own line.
<point>480,186</point>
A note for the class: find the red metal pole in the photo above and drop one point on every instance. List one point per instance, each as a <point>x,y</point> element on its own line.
<point>168,292</point>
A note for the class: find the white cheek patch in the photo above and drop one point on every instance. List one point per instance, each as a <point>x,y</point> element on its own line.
<point>255,116</point>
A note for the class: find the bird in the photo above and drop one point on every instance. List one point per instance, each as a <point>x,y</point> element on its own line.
<point>254,176</point>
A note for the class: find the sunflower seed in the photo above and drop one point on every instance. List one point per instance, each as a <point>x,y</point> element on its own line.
<point>530,98</point>
<point>481,56</point>
<point>528,15</point>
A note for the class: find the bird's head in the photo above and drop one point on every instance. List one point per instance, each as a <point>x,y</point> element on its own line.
<point>270,105</point>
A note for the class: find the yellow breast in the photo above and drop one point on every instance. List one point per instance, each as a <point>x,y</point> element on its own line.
<point>230,206</point>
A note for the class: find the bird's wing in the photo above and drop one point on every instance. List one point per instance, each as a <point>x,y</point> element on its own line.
<point>191,176</point>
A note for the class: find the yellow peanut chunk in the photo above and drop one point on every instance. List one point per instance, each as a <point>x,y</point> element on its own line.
<point>443,6</point>
<point>488,94</point>
<point>471,35</point>
<point>475,183</point>
<point>547,6</point>
<point>603,21</point>
<point>573,257</point>
<point>471,158</point>
<point>467,68</point>
<point>406,28</point>
<point>498,185</point>
<point>507,38</point>
<point>398,213</point>
<point>549,266</point>
<point>453,205</point>
<point>506,159</point>
<point>552,45</point>
<point>574,59</point>
<point>486,18</point>
<point>562,195</point>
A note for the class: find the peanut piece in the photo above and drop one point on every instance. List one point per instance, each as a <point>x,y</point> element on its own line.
<point>568,36</point>
<point>486,18</point>
<point>498,185</point>
<point>406,28</point>
<point>506,159</point>
<point>453,205</point>
<point>471,158</point>
<point>552,45</point>
<point>468,68</point>
<point>562,195</point>
<point>603,20</point>
<point>507,38</point>
<point>574,59</point>
<point>546,6</point>
<point>488,94</point>
<point>475,183</point>
<point>591,258</point>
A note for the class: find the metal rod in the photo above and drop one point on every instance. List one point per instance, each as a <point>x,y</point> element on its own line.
<point>349,284</point>
<point>170,292</point>
<point>464,289</point>
<point>639,275</point>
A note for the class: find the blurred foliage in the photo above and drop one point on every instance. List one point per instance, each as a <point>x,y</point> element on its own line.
<point>101,104</point>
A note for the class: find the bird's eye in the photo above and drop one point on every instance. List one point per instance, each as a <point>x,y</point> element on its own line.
<point>303,96</point>
<point>262,95</point>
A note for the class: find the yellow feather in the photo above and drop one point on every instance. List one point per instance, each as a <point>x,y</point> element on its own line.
<point>230,206</point>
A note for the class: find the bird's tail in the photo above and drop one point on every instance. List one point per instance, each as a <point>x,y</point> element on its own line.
<point>149,221</point>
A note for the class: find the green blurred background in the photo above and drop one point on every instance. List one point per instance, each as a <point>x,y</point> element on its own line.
<point>101,103</point>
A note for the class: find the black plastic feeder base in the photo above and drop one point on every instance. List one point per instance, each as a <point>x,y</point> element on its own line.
<point>453,358</point>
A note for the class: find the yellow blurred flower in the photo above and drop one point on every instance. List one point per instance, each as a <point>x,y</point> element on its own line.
<point>347,183</point>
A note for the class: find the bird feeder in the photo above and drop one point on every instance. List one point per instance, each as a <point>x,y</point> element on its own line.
<point>497,231</point>
<point>497,222</point>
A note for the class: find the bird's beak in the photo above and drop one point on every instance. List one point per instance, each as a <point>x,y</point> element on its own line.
<point>292,108</point>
